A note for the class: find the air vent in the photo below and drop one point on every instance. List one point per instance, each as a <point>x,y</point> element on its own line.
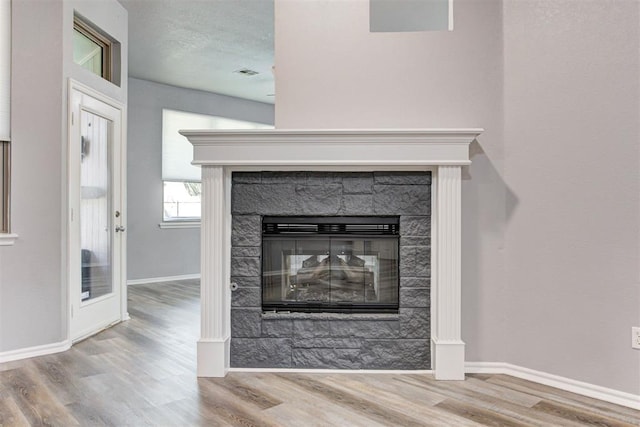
<point>246,72</point>
<point>331,225</point>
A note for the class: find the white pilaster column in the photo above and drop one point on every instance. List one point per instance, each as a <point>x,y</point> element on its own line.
<point>213,346</point>
<point>446,271</point>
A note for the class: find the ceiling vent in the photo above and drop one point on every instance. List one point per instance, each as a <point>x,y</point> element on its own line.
<point>246,72</point>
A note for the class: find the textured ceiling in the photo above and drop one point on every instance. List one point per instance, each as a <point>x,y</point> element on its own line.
<point>200,44</point>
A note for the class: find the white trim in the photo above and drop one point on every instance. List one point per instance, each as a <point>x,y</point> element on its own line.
<point>38,350</point>
<point>7,239</point>
<point>213,357</point>
<point>357,147</point>
<point>567,384</point>
<point>446,275</point>
<point>74,89</point>
<point>331,371</point>
<point>162,279</point>
<point>179,224</point>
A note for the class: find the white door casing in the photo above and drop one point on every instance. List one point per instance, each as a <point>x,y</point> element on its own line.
<point>86,107</point>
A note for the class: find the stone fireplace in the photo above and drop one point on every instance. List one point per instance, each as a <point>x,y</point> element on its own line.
<point>347,284</point>
<point>236,332</point>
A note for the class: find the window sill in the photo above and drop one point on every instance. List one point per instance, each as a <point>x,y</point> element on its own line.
<point>179,224</point>
<point>7,239</point>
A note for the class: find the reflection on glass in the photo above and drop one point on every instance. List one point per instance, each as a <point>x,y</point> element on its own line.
<point>332,271</point>
<point>87,53</point>
<point>95,207</point>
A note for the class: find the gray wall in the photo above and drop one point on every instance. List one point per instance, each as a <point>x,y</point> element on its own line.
<point>30,271</point>
<point>550,257</point>
<point>151,251</point>
<point>573,142</point>
<point>33,282</point>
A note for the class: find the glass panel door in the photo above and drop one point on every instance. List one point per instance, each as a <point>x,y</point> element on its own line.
<point>96,215</point>
<point>95,206</point>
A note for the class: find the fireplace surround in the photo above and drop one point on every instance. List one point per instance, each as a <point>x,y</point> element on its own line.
<point>442,151</point>
<point>388,239</point>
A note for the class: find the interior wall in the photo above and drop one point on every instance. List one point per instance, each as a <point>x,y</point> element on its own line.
<point>33,279</point>
<point>572,163</point>
<point>331,72</point>
<point>30,270</point>
<point>154,252</point>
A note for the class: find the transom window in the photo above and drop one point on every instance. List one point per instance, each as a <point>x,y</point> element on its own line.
<point>4,186</point>
<point>91,49</point>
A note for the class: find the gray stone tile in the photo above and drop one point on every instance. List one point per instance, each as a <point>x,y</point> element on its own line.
<point>245,267</point>
<point>246,230</point>
<point>265,199</point>
<point>246,251</point>
<point>415,297</point>
<point>247,282</point>
<point>245,322</point>
<point>415,282</point>
<point>246,177</point>
<point>298,177</point>
<point>402,200</point>
<point>395,354</point>
<point>415,241</point>
<point>327,343</point>
<point>357,183</point>
<point>246,297</point>
<point>318,358</point>
<point>402,178</point>
<point>324,178</point>
<point>277,328</point>
<point>415,261</point>
<point>357,204</point>
<point>261,353</point>
<point>319,199</point>
<point>365,328</point>
<point>415,225</point>
<point>415,323</point>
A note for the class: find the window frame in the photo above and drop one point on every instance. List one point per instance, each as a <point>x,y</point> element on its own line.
<point>179,222</point>
<point>5,187</point>
<point>84,28</point>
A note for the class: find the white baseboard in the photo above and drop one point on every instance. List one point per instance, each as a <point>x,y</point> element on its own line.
<point>39,350</point>
<point>162,279</point>
<point>330,371</point>
<point>563,383</point>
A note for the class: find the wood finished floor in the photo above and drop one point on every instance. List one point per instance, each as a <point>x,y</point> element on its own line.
<point>142,372</point>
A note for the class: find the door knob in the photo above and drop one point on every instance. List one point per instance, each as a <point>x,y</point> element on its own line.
<point>119,228</point>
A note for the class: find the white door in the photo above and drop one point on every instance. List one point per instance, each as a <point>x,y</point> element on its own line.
<point>96,213</point>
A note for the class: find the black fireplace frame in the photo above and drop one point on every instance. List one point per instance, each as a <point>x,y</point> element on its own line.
<point>328,227</point>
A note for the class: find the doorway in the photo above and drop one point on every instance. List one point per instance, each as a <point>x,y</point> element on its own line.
<point>97,290</point>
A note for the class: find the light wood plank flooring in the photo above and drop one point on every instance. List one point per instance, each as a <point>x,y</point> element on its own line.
<point>142,372</point>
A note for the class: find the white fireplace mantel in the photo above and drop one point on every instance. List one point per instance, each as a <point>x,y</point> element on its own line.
<point>220,152</point>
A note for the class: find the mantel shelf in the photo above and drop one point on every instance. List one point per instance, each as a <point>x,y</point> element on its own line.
<point>332,147</point>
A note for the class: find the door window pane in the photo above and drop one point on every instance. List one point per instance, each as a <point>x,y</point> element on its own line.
<point>95,206</point>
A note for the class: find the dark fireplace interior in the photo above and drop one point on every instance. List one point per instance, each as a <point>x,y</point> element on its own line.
<point>330,264</point>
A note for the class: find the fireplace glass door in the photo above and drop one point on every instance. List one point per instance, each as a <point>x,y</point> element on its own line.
<point>332,268</point>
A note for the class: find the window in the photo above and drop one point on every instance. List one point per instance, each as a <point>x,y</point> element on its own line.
<point>4,186</point>
<point>91,50</point>
<point>181,180</point>
<point>5,116</point>
<point>410,15</point>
